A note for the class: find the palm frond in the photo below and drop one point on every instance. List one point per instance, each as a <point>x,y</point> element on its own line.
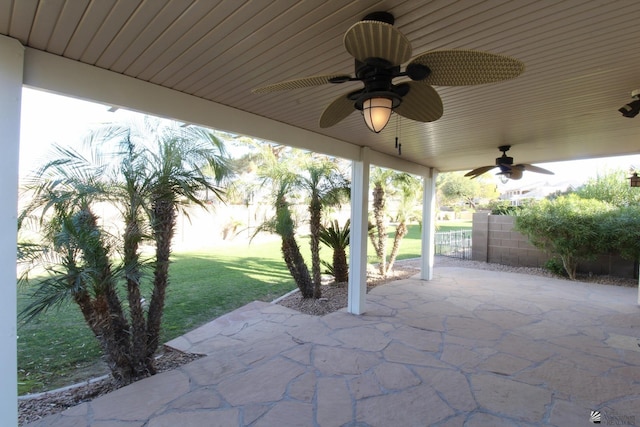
<point>50,293</point>
<point>335,236</point>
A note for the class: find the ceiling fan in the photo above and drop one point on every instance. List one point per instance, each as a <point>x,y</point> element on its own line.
<point>379,50</point>
<point>507,169</point>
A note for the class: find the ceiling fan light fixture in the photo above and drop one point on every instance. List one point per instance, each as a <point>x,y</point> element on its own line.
<point>377,112</point>
<point>504,177</point>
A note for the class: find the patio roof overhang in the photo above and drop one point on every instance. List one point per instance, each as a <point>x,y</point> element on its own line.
<point>580,57</point>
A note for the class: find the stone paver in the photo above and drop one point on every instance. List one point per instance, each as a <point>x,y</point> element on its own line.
<point>469,348</point>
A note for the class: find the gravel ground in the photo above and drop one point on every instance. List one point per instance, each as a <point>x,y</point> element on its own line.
<point>33,409</point>
<point>334,297</point>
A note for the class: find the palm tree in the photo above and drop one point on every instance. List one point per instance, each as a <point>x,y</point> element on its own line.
<point>149,184</point>
<point>381,179</point>
<point>277,172</point>
<point>176,177</point>
<point>285,227</point>
<point>325,185</point>
<point>409,190</point>
<point>388,182</point>
<point>76,252</point>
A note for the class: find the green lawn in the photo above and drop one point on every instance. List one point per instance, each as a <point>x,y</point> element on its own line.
<point>453,225</point>
<point>58,349</point>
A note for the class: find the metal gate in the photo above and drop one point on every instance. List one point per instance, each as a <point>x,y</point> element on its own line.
<point>455,244</point>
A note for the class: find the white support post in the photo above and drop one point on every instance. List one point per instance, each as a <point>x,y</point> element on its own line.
<point>428,224</point>
<point>358,234</point>
<point>11,72</point>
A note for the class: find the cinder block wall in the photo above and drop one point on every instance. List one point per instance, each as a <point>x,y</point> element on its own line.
<point>495,241</point>
<point>498,243</point>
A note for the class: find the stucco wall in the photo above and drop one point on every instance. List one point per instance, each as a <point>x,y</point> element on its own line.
<point>495,241</point>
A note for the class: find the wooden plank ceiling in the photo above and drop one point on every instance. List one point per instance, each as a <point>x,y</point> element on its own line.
<point>582,62</point>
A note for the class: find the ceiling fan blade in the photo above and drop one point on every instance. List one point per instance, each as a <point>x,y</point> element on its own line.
<point>422,103</point>
<point>337,111</point>
<point>375,39</point>
<point>479,171</point>
<point>300,83</point>
<point>536,169</point>
<point>516,173</point>
<point>468,67</point>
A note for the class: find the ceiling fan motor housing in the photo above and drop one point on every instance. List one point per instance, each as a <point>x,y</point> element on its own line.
<point>504,160</point>
<point>377,75</point>
<point>381,17</point>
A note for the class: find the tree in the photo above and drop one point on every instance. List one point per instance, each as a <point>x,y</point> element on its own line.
<point>75,252</point>
<point>316,178</point>
<point>611,187</point>
<point>569,227</point>
<point>148,181</point>
<point>622,228</point>
<point>321,179</point>
<point>454,188</point>
<point>274,170</point>
<point>176,177</point>
<point>387,183</point>
<point>409,190</point>
<point>284,226</point>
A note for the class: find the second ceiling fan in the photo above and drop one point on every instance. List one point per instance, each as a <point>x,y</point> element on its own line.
<point>379,50</point>
<point>507,169</point>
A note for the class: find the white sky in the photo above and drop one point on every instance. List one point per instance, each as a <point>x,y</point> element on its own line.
<point>49,118</point>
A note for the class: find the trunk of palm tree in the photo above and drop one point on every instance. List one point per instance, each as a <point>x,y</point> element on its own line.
<point>105,313</point>
<point>163,225</point>
<point>94,315</point>
<point>401,231</point>
<point>315,212</point>
<point>139,360</point>
<point>379,238</point>
<point>297,267</point>
<point>290,249</point>
<point>340,265</point>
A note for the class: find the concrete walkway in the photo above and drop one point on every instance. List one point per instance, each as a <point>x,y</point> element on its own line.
<point>470,348</point>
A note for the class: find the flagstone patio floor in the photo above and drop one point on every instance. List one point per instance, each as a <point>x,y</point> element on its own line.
<point>469,348</point>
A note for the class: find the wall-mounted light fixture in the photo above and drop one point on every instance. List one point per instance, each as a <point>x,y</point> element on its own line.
<point>634,180</point>
<point>633,108</point>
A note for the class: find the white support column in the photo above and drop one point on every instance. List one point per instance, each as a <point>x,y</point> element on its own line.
<point>11,71</point>
<point>428,224</point>
<point>358,235</point>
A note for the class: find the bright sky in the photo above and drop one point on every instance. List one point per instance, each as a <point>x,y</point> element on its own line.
<point>49,118</point>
